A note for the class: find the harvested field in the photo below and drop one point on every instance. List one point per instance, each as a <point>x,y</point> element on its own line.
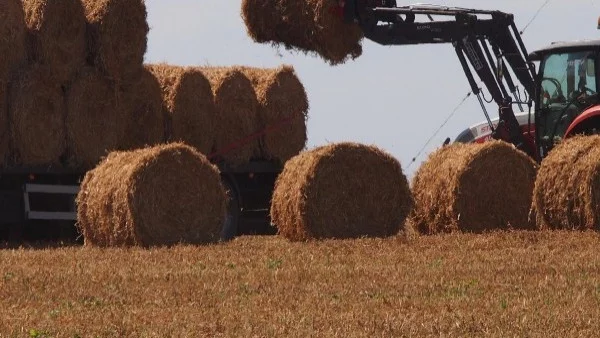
<point>189,105</point>
<point>13,36</point>
<point>37,112</point>
<point>344,190</point>
<point>461,187</point>
<point>56,36</point>
<point>155,196</point>
<point>567,189</point>
<point>282,111</point>
<point>95,119</point>
<point>144,112</point>
<point>496,285</point>
<point>310,26</point>
<point>117,36</point>
<point>236,114</point>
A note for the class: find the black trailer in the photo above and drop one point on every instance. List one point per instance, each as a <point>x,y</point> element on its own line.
<point>38,203</point>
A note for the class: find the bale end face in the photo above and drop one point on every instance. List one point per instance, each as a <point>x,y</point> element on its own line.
<point>344,190</point>
<point>163,195</point>
<point>37,114</point>
<point>474,188</point>
<point>567,188</point>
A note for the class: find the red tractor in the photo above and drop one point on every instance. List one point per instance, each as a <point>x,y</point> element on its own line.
<point>555,102</point>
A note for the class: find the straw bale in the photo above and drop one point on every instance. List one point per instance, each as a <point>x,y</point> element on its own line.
<point>236,114</point>
<point>475,187</point>
<point>281,97</point>
<point>117,36</point>
<point>37,112</point>
<point>13,34</point>
<point>308,26</point>
<point>56,36</point>
<point>155,196</point>
<point>344,190</point>
<point>189,105</point>
<point>144,112</point>
<point>95,118</point>
<point>567,188</point>
<point>4,125</point>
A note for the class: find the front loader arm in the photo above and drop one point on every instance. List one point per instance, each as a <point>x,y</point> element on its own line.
<point>474,38</point>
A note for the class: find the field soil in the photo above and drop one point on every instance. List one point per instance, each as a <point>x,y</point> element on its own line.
<point>500,284</point>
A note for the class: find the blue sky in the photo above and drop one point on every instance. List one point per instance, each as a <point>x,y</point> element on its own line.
<point>391,97</point>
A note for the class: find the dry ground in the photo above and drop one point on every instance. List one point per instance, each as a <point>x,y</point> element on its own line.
<point>503,284</point>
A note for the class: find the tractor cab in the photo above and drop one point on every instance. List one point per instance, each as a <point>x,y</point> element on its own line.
<point>567,96</point>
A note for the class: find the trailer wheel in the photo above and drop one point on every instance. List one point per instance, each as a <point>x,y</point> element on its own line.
<point>230,225</point>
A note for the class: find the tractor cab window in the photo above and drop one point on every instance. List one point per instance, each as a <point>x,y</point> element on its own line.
<point>568,81</point>
<point>567,75</point>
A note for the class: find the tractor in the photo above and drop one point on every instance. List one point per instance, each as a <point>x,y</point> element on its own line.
<point>555,100</point>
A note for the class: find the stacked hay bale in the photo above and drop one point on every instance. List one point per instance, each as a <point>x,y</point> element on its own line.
<point>282,111</point>
<point>36,108</point>
<point>13,33</point>
<point>13,54</point>
<point>473,188</point>
<point>188,101</point>
<point>111,94</point>
<point>117,36</point>
<point>236,114</point>
<point>59,104</point>
<point>311,26</point>
<point>56,36</point>
<point>344,190</point>
<point>128,199</point>
<point>37,116</point>
<point>144,112</point>
<point>567,188</point>
<point>95,120</point>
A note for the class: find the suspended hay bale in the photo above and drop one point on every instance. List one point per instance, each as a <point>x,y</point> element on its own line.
<point>163,195</point>
<point>567,188</point>
<point>144,112</point>
<point>473,188</point>
<point>95,118</point>
<point>310,26</point>
<point>190,109</point>
<point>282,111</point>
<point>57,35</point>
<point>344,190</point>
<point>236,114</point>
<point>117,36</point>
<point>13,35</point>
<point>37,112</point>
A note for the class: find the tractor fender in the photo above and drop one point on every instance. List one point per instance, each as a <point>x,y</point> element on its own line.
<point>582,122</point>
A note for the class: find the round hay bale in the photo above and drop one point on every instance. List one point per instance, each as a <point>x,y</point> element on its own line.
<point>13,35</point>
<point>473,187</point>
<point>57,36</point>
<point>163,195</point>
<point>282,111</point>
<point>344,190</point>
<point>117,36</point>
<point>144,112</point>
<point>37,112</point>
<point>190,109</point>
<point>95,118</point>
<point>236,114</point>
<point>567,187</point>
<point>310,26</point>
